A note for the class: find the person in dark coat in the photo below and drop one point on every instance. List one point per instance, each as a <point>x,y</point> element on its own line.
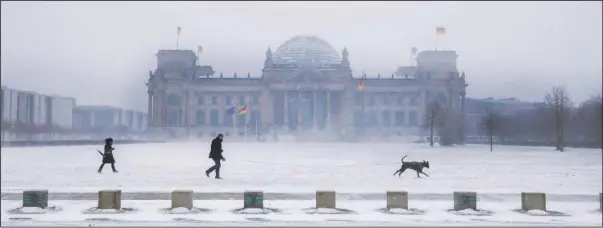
<point>108,155</point>
<point>215,154</point>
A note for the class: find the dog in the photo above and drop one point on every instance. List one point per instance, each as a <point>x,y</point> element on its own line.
<point>416,166</point>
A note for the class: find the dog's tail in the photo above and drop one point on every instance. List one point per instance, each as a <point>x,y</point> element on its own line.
<point>403,158</point>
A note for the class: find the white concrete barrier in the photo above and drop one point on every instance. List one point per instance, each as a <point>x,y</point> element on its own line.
<point>253,199</point>
<point>35,198</point>
<point>397,199</point>
<point>325,199</point>
<point>182,198</point>
<point>465,200</point>
<point>533,201</point>
<point>109,199</point>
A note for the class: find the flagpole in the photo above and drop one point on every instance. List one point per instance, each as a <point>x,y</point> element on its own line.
<point>410,60</point>
<point>234,124</point>
<point>363,106</point>
<point>178,30</point>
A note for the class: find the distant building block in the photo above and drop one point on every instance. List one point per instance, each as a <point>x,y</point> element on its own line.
<point>397,199</point>
<point>253,199</point>
<point>533,201</point>
<point>325,199</point>
<point>35,198</point>
<point>182,198</point>
<point>465,200</point>
<point>109,199</point>
<point>600,202</point>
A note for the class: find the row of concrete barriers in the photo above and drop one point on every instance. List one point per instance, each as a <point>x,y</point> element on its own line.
<point>111,199</point>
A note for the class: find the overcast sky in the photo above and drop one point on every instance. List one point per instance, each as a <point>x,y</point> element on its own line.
<point>101,52</point>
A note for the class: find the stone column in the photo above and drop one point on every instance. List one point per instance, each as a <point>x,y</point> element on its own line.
<point>159,101</point>
<point>314,112</point>
<point>328,103</point>
<point>184,109</point>
<point>150,109</point>
<point>266,111</point>
<point>192,108</point>
<point>463,101</point>
<point>286,107</point>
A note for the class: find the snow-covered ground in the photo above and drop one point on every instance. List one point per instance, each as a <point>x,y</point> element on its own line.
<point>360,173</point>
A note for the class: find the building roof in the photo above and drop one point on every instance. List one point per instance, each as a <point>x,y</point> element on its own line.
<point>437,55</point>
<point>300,49</point>
<point>175,52</point>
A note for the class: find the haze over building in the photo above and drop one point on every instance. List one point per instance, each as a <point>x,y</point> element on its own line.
<point>305,86</point>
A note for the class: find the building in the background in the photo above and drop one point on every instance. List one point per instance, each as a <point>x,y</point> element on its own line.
<point>99,119</point>
<point>306,87</point>
<point>477,109</point>
<point>34,110</point>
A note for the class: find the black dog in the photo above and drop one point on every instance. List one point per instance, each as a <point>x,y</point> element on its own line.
<point>416,166</point>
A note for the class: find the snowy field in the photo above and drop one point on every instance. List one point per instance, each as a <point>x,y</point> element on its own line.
<point>291,173</point>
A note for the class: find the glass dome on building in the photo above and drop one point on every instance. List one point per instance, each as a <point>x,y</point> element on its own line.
<point>300,49</point>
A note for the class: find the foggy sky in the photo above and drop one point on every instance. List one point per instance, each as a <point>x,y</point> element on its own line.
<point>101,52</point>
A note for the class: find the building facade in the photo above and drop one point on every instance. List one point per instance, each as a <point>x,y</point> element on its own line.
<point>306,88</point>
<point>92,118</point>
<point>33,109</point>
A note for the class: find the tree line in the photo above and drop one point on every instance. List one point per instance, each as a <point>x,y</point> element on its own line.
<point>557,121</point>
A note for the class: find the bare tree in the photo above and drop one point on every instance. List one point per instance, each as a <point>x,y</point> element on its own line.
<point>433,113</point>
<point>490,123</point>
<point>589,120</point>
<point>558,103</point>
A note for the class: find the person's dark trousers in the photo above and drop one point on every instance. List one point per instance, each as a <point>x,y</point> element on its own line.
<point>102,165</point>
<point>216,167</point>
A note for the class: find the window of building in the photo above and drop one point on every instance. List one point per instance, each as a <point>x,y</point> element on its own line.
<point>372,118</point>
<point>200,117</point>
<point>241,120</point>
<point>254,117</point>
<point>214,100</point>
<point>200,100</point>
<point>386,118</point>
<point>228,100</point>
<point>413,119</point>
<point>227,118</point>
<point>241,100</point>
<point>371,100</point>
<point>173,99</point>
<point>358,118</point>
<point>400,100</point>
<point>399,118</point>
<point>359,98</point>
<point>386,100</point>
<point>214,118</point>
<point>256,100</point>
<point>414,100</point>
<point>173,118</point>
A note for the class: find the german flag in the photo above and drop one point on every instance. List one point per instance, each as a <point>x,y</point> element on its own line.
<point>440,31</point>
<point>361,85</point>
<point>243,110</point>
